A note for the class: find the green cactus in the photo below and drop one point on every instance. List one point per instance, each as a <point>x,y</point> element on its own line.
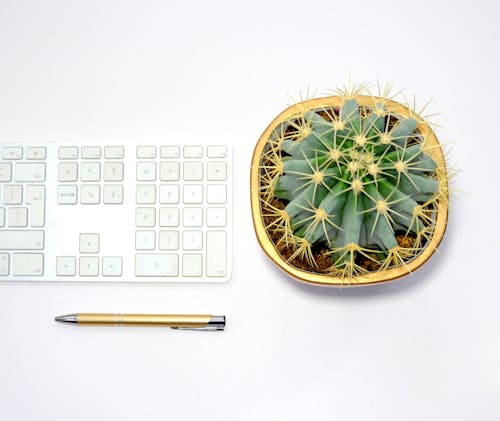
<point>351,178</point>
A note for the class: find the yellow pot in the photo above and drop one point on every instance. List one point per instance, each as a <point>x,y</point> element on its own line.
<point>365,279</point>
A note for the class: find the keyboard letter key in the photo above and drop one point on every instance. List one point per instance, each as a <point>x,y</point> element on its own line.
<point>4,264</point>
<point>5,171</point>
<point>17,217</point>
<point>12,194</point>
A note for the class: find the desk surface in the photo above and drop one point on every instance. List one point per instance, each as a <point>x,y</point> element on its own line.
<point>425,347</point>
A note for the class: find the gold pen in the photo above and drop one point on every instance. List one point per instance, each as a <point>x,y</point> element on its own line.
<point>174,321</point>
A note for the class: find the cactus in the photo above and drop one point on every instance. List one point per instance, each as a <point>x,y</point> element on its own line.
<point>357,181</point>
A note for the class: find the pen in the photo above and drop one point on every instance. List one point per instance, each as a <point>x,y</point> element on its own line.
<point>174,321</point>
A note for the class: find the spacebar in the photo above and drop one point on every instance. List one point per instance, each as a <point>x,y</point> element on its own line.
<point>21,240</point>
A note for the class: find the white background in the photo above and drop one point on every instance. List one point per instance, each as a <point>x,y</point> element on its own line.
<point>425,347</point>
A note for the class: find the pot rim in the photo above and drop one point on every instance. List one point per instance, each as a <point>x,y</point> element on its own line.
<point>366,279</point>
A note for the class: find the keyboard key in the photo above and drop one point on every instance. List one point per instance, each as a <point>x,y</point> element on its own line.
<point>113,171</point>
<point>89,266</point>
<point>67,194</point>
<point>192,217</point>
<point>112,266</point>
<point>4,264</point>
<point>216,151</point>
<point>193,194</point>
<point>12,194</point>
<point>67,171</point>
<point>32,171</point>
<point>145,194</point>
<point>145,152</point>
<point>169,217</point>
<point>17,217</point>
<point>35,197</point>
<point>90,194</point>
<point>169,152</point>
<point>12,152</point>
<point>216,171</point>
<point>192,171</point>
<point>156,265</point>
<point>169,194</point>
<point>5,171</point>
<point>145,240</point>
<point>90,171</point>
<point>66,266</point>
<point>192,240</point>
<point>216,193</point>
<point>27,264</point>
<point>169,171</point>
<point>36,152</point>
<point>21,240</point>
<point>68,152</point>
<point>89,243</point>
<point>2,217</point>
<point>216,253</point>
<point>145,217</point>
<point>168,240</point>
<point>216,217</point>
<point>112,194</point>
<point>193,151</point>
<point>192,265</point>
<point>146,171</point>
<point>91,152</point>
<point>114,152</point>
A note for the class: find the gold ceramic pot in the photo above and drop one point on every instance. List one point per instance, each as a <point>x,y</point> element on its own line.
<point>365,279</point>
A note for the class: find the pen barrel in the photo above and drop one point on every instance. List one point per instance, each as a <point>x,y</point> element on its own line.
<point>167,320</point>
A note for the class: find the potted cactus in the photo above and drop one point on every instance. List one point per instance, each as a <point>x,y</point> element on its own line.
<point>349,189</point>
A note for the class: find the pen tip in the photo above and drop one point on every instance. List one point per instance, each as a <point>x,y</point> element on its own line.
<point>68,318</point>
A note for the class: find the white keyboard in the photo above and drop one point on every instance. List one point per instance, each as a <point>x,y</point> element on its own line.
<point>114,212</point>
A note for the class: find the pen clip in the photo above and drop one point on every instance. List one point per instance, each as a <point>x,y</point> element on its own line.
<point>215,323</point>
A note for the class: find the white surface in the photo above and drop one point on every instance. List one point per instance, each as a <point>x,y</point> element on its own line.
<point>425,347</point>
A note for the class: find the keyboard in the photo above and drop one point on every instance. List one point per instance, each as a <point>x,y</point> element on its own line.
<point>115,212</point>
